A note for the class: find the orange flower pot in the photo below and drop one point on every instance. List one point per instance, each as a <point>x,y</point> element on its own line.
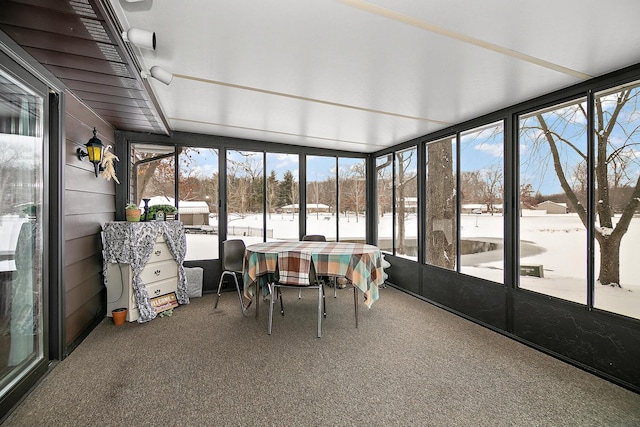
<point>119,316</point>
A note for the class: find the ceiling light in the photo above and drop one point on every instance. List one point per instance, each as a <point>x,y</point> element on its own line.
<point>141,38</point>
<point>158,73</point>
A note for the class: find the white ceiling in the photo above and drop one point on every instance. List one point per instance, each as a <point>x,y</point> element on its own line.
<point>361,76</point>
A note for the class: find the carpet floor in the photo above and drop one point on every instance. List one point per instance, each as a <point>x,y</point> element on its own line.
<point>408,363</point>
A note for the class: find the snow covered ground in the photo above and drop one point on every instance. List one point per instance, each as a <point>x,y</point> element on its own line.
<point>561,239</point>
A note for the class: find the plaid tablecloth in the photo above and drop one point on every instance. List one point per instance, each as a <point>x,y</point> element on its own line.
<point>358,262</point>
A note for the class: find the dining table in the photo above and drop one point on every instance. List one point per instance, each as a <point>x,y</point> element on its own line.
<point>359,263</point>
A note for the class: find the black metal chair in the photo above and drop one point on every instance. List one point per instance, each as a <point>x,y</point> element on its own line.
<point>232,257</point>
<point>296,270</point>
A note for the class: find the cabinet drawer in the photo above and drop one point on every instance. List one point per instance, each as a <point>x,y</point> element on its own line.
<point>160,253</point>
<point>162,288</point>
<point>159,271</point>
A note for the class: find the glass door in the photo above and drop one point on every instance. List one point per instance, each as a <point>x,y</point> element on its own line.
<point>21,237</point>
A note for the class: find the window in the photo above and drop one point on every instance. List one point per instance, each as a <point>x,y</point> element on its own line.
<point>153,174</point>
<point>198,204</point>
<point>282,197</point>
<point>553,194</point>
<point>406,202</point>
<point>245,196</point>
<point>481,197</point>
<point>384,202</point>
<point>440,204</point>
<point>22,264</point>
<point>352,179</point>
<point>321,196</point>
<point>617,188</point>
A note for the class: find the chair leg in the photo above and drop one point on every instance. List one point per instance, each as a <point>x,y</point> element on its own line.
<point>320,304</point>
<point>271,292</point>
<point>219,288</point>
<point>324,303</point>
<point>355,303</point>
<point>281,305</point>
<point>299,293</point>
<point>244,310</point>
<point>335,286</point>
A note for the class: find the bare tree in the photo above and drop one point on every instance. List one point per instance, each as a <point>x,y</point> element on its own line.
<point>617,136</point>
<point>492,187</point>
<point>406,185</point>
<point>352,189</point>
<point>441,201</point>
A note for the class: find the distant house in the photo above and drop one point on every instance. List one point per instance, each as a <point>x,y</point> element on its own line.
<point>475,208</point>
<point>411,204</point>
<point>552,207</point>
<point>311,207</point>
<point>193,212</point>
<point>189,212</point>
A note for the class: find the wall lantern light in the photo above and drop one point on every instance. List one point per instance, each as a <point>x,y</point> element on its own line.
<point>94,152</point>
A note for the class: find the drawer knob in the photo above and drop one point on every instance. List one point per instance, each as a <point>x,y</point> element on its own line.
<point>158,252</point>
<point>157,272</point>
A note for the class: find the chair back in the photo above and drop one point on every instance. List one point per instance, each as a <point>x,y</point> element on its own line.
<point>314,238</point>
<point>296,269</point>
<point>233,254</point>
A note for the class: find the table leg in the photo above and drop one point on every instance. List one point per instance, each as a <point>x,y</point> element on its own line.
<point>257,298</point>
<point>355,303</point>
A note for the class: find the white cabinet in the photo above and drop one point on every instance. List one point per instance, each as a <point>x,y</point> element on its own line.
<point>137,258</point>
<point>160,277</point>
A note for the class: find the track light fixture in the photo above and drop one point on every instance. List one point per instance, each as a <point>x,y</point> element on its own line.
<point>141,38</point>
<point>158,73</point>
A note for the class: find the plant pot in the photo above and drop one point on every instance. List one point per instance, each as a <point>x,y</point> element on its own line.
<point>133,215</point>
<point>119,316</point>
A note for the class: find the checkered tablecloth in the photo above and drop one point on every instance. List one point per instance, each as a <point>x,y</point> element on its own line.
<point>361,264</point>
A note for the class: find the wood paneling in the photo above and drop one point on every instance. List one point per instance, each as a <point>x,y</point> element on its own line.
<point>83,179</point>
<point>81,225</point>
<point>77,202</point>
<point>76,323</point>
<point>86,52</point>
<point>81,248</point>
<point>78,296</point>
<point>76,274</point>
<point>88,203</point>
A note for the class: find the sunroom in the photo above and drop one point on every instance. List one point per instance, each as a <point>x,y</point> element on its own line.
<point>489,150</point>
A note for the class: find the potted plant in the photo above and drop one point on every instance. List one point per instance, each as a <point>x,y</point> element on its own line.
<point>132,212</point>
<point>167,211</point>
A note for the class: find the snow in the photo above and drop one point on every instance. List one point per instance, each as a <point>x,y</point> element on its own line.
<point>559,238</point>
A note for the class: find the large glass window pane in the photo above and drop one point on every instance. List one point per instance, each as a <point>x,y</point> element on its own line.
<point>283,197</point>
<point>321,196</point>
<point>440,204</point>
<point>352,178</point>
<point>384,202</point>
<point>21,235</point>
<point>153,175</point>
<point>406,194</point>
<point>617,176</point>
<point>198,204</point>
<point>245,198</point>
<point>481,196</point>
<point>553,183</point>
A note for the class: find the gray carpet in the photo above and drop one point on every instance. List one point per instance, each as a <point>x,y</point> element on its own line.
<point>408,363</point>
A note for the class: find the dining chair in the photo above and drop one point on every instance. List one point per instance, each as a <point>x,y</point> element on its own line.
<point>232,257</point>
<point>296,270</point>
<point>332,280</point>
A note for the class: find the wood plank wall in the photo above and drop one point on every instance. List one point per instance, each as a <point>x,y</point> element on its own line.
<point>88,203</point>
